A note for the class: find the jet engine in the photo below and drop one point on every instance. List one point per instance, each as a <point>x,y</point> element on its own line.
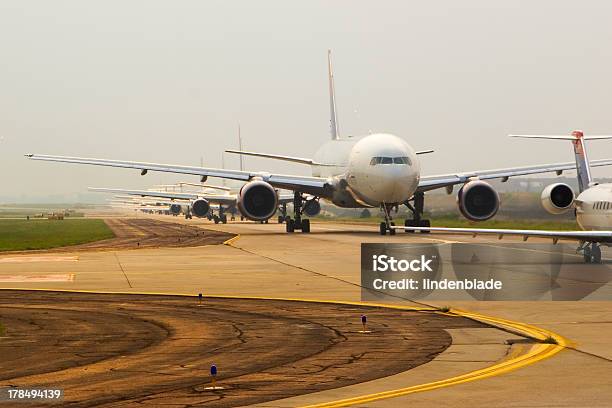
<point>175,209</point>
<point>477,200</point>
<point>257,200</point>
<point>200,207</point>
<point>557,198</point>
<point>312,207</point>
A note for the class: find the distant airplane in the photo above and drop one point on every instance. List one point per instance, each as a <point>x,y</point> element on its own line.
<point>202,203</point>
<point>592,207</point>
<point>375,170</point>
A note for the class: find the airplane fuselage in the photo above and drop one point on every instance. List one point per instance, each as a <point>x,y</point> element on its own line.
<point>594,208</point>
<point>368,171</point>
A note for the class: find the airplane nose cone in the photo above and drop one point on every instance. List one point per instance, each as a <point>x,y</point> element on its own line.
<point>394,185</point>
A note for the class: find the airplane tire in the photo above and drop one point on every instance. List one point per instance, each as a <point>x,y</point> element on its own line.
<point>383,228</point>
<point>596,254</point>
<point>290,225</point>
<point>281,219</point>
<point>587,255</point>
<point>425,223</point>
<point>409,223</point>
<point>391,230</point>
<point>306,226</point>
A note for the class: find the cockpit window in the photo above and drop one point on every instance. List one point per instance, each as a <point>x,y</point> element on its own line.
<point>390,160</point>
<point>402,160</point>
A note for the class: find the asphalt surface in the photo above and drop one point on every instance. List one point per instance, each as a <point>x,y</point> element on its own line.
<point>325,264</point>
<point>126,350</point>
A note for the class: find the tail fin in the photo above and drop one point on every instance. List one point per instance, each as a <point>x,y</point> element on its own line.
<point>240,148</point>
<point>335,134</point>
<point>582,161</point>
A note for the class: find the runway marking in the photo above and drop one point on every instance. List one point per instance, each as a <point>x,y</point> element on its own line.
<point>66,277</point>
<point>43,258</point>
<point>538,352</point>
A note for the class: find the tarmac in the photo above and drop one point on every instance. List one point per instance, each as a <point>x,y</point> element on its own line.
<point>263,261</point>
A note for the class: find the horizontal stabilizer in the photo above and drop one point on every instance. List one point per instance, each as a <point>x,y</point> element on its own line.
<point>273,156</point>
<point>563,137</point>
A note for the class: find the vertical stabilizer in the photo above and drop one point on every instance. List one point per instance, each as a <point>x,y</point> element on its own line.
<point>582,161</point>
<point>335,134</point>
<point>240,148</point>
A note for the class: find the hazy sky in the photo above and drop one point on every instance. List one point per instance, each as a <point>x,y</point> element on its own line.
<point>168,81</point>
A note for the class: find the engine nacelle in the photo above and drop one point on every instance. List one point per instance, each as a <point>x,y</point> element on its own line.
<point>557,198</point>
<point>478,201</point>
<point>312,208</point>
<point>200,207</point>
<point>175,209</point>
<point>257,200</point>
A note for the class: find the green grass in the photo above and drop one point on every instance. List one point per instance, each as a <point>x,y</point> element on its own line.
<point>454,222</point>
<point>17,235</point>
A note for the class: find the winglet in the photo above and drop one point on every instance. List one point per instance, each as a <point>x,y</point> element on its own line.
<point>335,134</point>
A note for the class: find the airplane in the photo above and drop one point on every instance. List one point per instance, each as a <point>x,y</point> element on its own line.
<point>202,204</point>
<point>592,206</point>
<point>376,170</point>
<point>169,207</point>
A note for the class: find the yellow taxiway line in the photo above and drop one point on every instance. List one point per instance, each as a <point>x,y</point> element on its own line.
<point>538,352</point>
<point>231,240</point>
<point>549,345</point>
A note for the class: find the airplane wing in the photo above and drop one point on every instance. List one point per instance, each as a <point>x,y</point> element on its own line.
<point>311,185</point>
<point>444,180</point>
<point>213,198</point>
<point>587,236</point>
<point>292,159</point>
<point>147,193</point>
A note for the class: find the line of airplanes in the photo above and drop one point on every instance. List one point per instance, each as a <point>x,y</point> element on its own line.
<point>199,203</point>
<point>382,170</point>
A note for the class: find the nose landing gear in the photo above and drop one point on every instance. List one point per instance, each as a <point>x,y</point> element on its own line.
<point>387,223</point>
<point>283,217</point>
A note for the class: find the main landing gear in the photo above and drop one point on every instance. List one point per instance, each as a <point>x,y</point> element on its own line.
<point>417,211</point>
<point>222,217</point>
<point>297,223</point>
<point>591,251</point>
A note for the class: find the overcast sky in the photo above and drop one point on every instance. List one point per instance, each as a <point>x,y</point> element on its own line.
<point>168,81</point>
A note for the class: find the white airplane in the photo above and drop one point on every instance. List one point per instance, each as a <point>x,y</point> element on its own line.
<point>166,206</point>
<point>376,170</point>
<point>201,204</point>
<point>592,207</point>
